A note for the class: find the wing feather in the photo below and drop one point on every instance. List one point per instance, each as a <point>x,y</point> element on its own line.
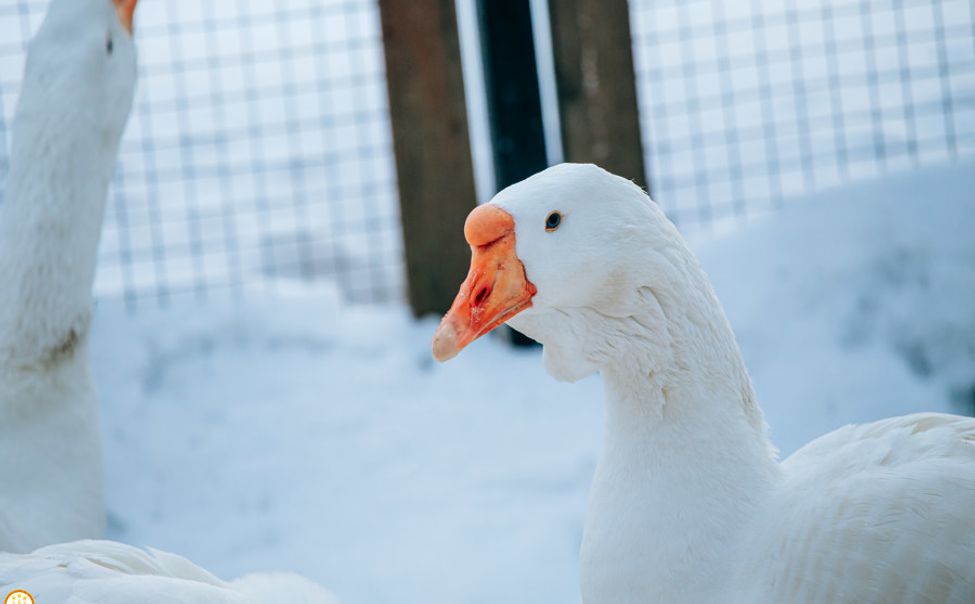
<point>873,513</point>
<point>105,572</point>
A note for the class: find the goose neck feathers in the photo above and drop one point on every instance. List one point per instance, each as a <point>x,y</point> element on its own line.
<point>75,101</point>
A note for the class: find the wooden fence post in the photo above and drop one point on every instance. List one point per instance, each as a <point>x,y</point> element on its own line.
<point>597,93</point>
<point>511,85</point>
<point>513,98</point>
<point>430,139</point>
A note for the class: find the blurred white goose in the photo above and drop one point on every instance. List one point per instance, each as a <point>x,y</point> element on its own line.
<point>76,97</point>
<point>689,503</point>
<point>104,572</point>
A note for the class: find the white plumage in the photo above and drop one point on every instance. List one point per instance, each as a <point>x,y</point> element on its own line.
<point>75,101</point>
<point>104,572</point>
<point>689,502</point>
<point>879,512</point>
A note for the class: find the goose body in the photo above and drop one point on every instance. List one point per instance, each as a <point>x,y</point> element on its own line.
<point>879,512</point>
<point>105,572</point>
<point>689,501</point>
<point>76,97</point>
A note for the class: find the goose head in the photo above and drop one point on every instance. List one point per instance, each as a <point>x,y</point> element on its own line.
<point>576,258</point>
<point>83,63</point>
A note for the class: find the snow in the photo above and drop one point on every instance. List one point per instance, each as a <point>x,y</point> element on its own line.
<point>296,432</point>
<point>858,303</point>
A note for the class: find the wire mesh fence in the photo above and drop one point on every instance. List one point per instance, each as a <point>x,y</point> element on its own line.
<point>745,104</point>
<point>258,150</point>
<point>259,147</point>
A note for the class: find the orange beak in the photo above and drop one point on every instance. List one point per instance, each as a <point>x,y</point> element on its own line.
<point>126,12</point>
<point>496,287</point>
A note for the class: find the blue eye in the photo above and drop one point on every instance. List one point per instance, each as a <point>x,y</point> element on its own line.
<point>553,221</point>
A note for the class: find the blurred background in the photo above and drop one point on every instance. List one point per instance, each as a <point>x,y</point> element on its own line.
<point>290,196</point>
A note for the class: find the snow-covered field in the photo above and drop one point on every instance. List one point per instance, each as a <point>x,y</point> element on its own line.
<point>300,433</point>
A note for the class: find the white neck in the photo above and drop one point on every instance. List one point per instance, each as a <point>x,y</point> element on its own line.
<point>50,224</point>
<point>685,459</point>
<point>50,221</point>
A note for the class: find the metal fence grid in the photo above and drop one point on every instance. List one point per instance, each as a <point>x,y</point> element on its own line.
<point>745,104</point>
<point>259,150</point>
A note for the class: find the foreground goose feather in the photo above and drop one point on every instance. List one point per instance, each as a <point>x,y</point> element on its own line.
<point>104,572</point>
<point>690,502</point>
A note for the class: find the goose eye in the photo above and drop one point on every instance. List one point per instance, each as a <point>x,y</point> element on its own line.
<point>109,46</point>
<point>553,221</point>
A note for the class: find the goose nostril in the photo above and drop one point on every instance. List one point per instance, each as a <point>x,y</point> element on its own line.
<point>482,295</point>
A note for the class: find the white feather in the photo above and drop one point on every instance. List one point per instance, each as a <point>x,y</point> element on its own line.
<point>104,572</point>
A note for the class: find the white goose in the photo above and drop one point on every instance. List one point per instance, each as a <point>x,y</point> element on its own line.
<point>689,503</point>
<point>76,99</point>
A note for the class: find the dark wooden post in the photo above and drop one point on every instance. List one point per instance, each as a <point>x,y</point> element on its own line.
<point>430,139</point>
<point>511,83</point>
<point>597,92</point>
<point>513,99</point>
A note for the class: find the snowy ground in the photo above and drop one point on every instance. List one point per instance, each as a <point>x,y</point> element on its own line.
<point>298,433</point>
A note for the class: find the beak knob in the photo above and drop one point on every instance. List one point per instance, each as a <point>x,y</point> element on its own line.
<point>486,224</point>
